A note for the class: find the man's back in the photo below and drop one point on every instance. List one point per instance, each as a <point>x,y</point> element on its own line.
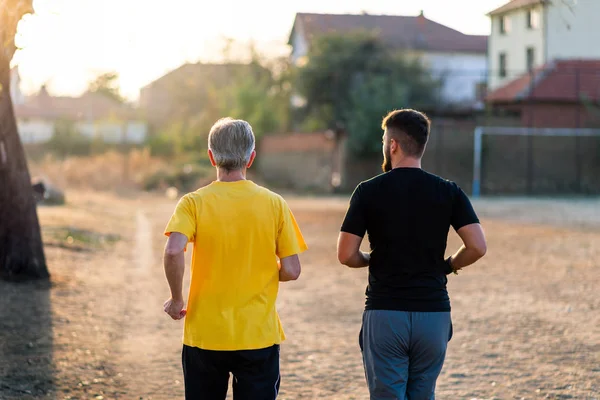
<point>407,213</point>
<point>238,229</point>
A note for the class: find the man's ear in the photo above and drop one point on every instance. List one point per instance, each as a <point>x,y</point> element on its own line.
<point>394,146</point>
<point>252,157</point>
<point>212,158</point>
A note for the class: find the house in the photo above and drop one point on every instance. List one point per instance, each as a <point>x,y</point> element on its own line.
<point>459,58</point>
<point>527,34</point>
<point>160,99</point>
<point>93,115</point>
<point>558,94</point>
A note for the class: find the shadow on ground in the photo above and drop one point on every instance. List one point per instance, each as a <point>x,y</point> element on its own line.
<point>26,345</point>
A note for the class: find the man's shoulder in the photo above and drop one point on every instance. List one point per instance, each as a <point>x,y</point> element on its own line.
<point>439,179</point>
<point>270,196</point>
<point>196,195</point>
<point>374,181</point>
<point>383,178</point>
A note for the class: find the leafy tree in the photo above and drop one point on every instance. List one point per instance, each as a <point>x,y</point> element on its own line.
<point>66,140</point>
<point>368,102</point>
<point>108,85</point>
<point>21,250</point>
<point>262,101</point>
<point>353,80</point>
<point>257,92</point>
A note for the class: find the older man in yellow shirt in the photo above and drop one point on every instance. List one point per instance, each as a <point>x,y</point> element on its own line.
<point>245,241</point>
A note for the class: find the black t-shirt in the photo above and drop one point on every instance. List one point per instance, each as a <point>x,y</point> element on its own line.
<point>407,214</point>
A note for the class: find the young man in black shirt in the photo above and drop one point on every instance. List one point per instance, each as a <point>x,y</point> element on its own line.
<point>407,214</point>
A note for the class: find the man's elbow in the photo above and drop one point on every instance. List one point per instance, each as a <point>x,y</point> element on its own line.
<point>343,258</point>
<point>480,250</point>
<point>289,274</point>
<point>295,274</point>
<point>172,252</point>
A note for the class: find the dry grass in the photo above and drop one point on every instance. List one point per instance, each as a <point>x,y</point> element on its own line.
<point>100,172</point>
<point>525,318</point>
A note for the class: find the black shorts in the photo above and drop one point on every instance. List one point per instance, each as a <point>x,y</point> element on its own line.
<point>255,373</point>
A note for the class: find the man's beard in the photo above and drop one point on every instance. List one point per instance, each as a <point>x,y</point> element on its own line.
<point>386,166</point>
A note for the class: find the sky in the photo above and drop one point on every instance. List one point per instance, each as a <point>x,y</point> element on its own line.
<point>66,43</point>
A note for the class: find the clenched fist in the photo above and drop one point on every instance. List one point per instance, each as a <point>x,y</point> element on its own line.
<point>174,308</point>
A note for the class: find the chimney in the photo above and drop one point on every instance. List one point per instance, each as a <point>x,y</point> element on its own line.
<point>421,20</point>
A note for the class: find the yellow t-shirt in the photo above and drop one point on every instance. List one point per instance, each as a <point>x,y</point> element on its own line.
<point>238,230</point>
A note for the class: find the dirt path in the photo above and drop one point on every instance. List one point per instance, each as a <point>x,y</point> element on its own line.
<point>527,320</point>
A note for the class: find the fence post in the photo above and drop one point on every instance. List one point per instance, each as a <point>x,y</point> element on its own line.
<point>476,189</point>
<point>578,169</point>
<point>532,123</point>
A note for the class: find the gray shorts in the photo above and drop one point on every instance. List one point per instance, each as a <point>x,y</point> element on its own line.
<point>403,352</point>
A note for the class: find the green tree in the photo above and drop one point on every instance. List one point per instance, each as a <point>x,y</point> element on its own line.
<point>108,85</point>
<point>368,102</point>
<point>353,80</point>
<point>257,91</point>
<point>262,98</point>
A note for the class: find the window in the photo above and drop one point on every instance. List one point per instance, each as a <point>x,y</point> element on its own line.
<point>502,65</point>
<point>533,19</point>
<point>504,24</point>
<point>530,59</point>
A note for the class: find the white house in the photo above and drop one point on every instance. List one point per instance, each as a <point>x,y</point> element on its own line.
<point>93,115</point>
<point>527,34</point>
<point>460,59</point>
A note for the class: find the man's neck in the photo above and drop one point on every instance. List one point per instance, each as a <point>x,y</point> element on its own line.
<point>407,162</point>
<point>231,176</point>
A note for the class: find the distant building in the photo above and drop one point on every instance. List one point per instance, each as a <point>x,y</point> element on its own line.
<point>527,34</point>
<point>559,94</point>
<point>459,58</point>
<point>93,115</point>
<point>161,99</point>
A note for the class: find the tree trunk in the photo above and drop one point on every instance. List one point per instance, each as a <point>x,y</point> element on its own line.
<point>21,250</point>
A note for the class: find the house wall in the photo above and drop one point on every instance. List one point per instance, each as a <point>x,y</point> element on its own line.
<point>303,161</point>
<point>35,130</point>
<point>514,43</point>
<point>557,116</point>
<point>114,132</point>
<point>40,131</point>
<point>573,31</point>
<point>299,43</point>
<point>154,102</point>
<point>462,72</point>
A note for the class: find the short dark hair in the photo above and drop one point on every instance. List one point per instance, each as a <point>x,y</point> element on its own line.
<point>410,128</point>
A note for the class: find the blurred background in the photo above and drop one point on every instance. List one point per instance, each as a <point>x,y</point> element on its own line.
<point>140,82</point>
<point>105,109</point>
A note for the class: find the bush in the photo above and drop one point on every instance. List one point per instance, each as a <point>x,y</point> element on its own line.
<point>185,178</point>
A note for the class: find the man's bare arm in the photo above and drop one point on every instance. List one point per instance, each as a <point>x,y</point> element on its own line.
<point>174,264</point>
<point>348,251</point>
<point>474,246</point>
<point>289,268</point>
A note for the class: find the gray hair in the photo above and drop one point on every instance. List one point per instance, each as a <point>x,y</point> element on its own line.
<point>232,143</point>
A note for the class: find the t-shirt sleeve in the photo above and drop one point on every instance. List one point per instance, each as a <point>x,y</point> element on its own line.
<point>355,221</point>
<point>462,210</point>
<point>183,219</point>
<point>289,238</point>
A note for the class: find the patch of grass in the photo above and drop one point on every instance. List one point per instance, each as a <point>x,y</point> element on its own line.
<point>77,239</point>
